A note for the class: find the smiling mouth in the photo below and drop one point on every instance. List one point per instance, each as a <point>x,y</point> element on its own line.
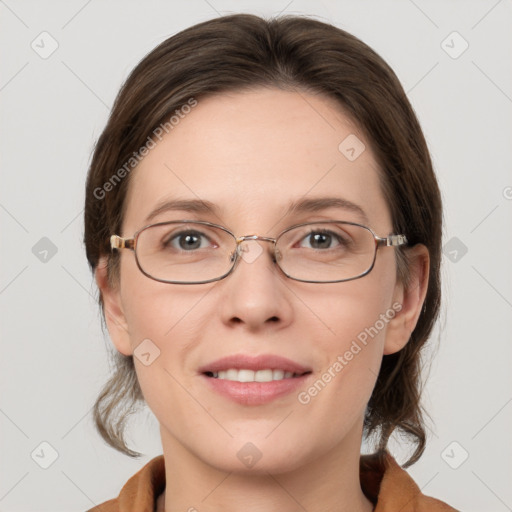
<point>245,375</point>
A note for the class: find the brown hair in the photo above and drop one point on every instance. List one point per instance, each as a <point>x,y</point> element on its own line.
<point>238,52</point>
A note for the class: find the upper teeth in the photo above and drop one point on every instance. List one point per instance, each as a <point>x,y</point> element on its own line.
<point>253,376</point>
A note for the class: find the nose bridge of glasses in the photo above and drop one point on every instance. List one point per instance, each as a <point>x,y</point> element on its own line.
<point>240,239</point>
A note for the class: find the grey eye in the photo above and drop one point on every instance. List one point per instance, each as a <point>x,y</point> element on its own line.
<point>321,240</point>
<point>187,241</point>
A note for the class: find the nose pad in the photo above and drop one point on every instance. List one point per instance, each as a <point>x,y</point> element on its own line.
<point>243,251</point>
<point>250,250</point>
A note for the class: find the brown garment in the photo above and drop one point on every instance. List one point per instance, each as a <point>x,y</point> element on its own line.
<point>383,482</point>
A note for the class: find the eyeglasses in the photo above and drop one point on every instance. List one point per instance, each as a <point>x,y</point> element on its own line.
<point>198,252</point>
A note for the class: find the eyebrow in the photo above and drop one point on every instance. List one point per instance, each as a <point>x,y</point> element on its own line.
<point>318,204</point>
<point>309,205</point>
<point>187,205</point>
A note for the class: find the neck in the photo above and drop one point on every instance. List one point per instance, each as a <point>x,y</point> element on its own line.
<point>328,483</point>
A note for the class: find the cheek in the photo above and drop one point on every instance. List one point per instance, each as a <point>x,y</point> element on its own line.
<point>357,315</point>
<point>164,323</point>
<point>358,310</point>
<point>337,398</point>
<point>155,310</point>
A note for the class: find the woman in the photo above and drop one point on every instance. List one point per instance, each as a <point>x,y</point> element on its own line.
<point>264,226</point>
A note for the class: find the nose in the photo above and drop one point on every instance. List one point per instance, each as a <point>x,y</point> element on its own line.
<point>255,293</point>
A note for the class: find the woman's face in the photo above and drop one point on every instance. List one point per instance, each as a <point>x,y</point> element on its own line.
<point>253,154</point>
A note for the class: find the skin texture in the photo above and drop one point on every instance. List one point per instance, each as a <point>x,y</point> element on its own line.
<point>252,153</point>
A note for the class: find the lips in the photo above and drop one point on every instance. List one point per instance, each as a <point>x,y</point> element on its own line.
<point>254,363</point>
<point>251,385</point>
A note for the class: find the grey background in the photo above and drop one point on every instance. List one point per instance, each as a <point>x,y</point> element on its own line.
<point>53,353</point>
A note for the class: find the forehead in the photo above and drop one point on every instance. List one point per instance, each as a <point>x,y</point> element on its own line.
<point>254,153</point>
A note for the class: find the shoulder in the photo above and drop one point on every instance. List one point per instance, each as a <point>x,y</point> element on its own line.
<point>391,488</point>
<point>141,491</point>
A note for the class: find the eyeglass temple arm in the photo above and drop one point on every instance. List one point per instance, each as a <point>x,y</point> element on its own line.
<point>392,240</point>
<point>117,242</point>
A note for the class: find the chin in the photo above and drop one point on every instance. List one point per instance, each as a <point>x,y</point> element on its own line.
<point>242,456</point>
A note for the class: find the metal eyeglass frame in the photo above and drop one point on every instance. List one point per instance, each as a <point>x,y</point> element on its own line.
<point>117,242</point>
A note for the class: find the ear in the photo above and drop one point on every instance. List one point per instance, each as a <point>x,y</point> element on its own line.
<point>113,308</point>
<point>408,298</point>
